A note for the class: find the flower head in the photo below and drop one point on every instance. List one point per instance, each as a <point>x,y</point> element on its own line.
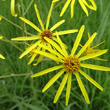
<point>43,32</point>
<point>91,49</point>
<point>83,4</point>
<point>70,65</point>
<point>1,56</point>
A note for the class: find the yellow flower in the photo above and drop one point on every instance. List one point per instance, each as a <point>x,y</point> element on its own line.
<point>1,56</point>
<point>44,32</point>
<point>12,8</point>
<point>71,65</point>
<point>83,4</point>
<point>33,55</point>
<point>91,49</point>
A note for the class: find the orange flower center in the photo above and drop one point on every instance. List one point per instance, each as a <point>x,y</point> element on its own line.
<point>46,33</point>
<point>71,64</point>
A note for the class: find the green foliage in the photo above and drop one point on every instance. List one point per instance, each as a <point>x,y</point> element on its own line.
<point>24,93</point>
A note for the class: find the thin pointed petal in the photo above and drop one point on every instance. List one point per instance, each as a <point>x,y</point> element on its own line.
<point>100,59</point>
<point>68,88</point>
<point>61,44</point>
<point>0,18</point>
<point>78,39</point>
<point>47,71</point>
<point>57,25</point>
<point>86,44</point>
<point>32,58</point>
<point>93,55</point>
<point>49,14</point>
<point>51,50</point>
<point>40,57</point>
<point>66,32</point>
<point>39,60</point>
<point>92,7</point>
<point>2,57</point>
<point>99,44</point>
<point>91,80</point>
<point>1,37</point>
<point>60,89</point>
<point>83,7</point>
<point>55,45</point>
<point>95,67</point>
<point>29,49</point>
<point>83,90</point>
<point>55,39</point>
<point>52,80</point>
<point>65,7</point>
<point>13,8</point>
<point>25,38</point>
<point>72,8</point>
<point>49,55</point>
<point>31,24</point>
<point>38,16</point>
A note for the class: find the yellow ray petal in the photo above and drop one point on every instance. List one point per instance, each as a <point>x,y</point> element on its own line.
<point>72,8</point>
<point>29,49</point>
<point>65,7</point>
<point>47,71</point>
<point>95,67</point>
<point>40,58</point>
<point>100,59</point>
<point>66,32</point>
<point>52,80</point>
<point>2,57</point>
<point>83,7</point>
<point>86,44</point>
<point>83,90</point>
<point>31,24</point>
<point>1,37</point>
<point>99,44</point>
<point>38,16</point>
<point>55,45</point>
<point>51,50</point>
<point>92,7</point>
<point>91,80</point>
<point>60,89</point>
<point>78,39</point>
<point>32,58</point>
<point>91,42</point>
<point>57,25</point>
<point>49,14</point>
<point>68,88</point>
<point>51,56</point>
<point>13,8</point>
<point>0,18</point>
<point>26,38</point>
<point>55,39</point>
<point>93,55</point>
<point>61,44</point>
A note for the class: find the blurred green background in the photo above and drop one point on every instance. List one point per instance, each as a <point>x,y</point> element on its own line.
<point>24,93</point>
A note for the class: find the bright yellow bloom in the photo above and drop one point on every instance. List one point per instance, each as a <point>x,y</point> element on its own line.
<point>12,8</point>
<point>83,4</point>
<point>71,65</point>
<point>1,56</point>
<point>43,32</point>
<point>91,49</point>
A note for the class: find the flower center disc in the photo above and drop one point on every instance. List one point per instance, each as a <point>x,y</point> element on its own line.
<point>46,33</point>
<point>71,64</point>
